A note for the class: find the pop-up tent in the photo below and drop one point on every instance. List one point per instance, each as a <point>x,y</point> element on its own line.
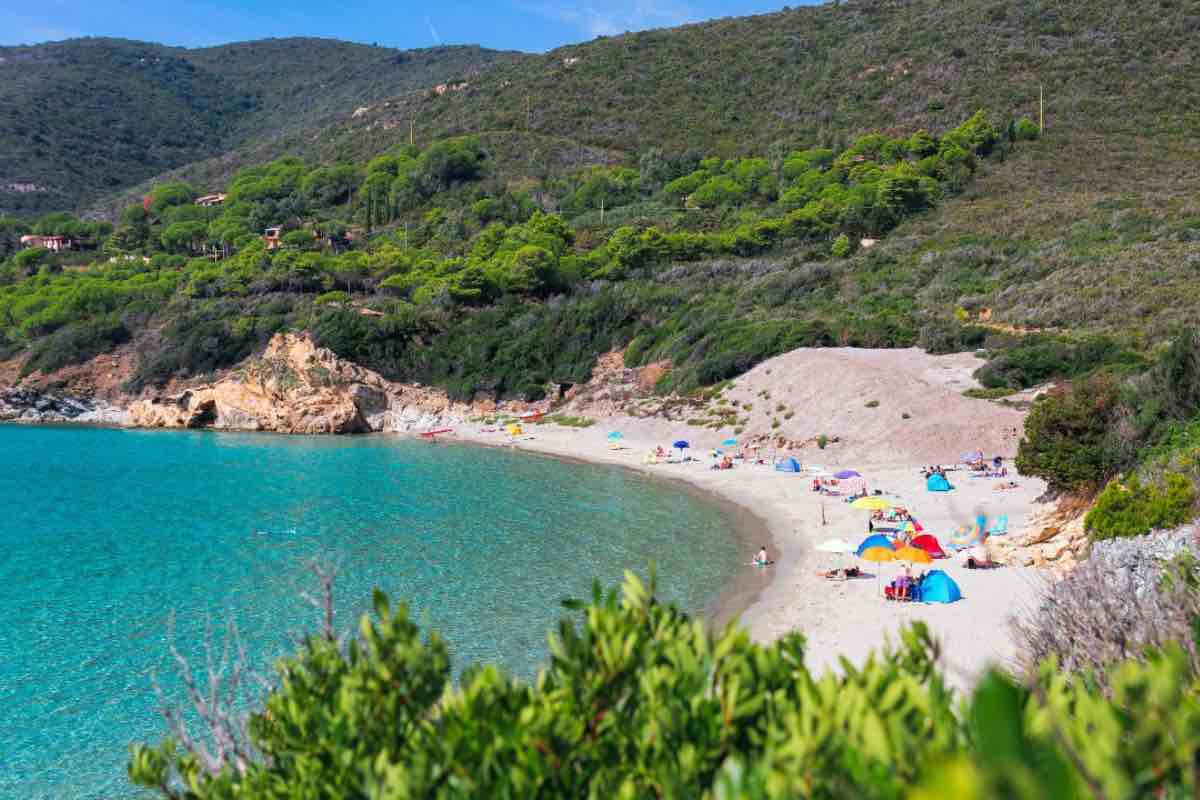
<point>938,483</point>
<point>929,544</point>
<point>877,540</point>
<point>788,465</point>
<point>938,587</point>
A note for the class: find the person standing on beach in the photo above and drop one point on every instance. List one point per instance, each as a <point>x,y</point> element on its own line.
<point>760,558</point>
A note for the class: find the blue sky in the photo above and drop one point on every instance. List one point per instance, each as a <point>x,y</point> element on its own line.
<point>533,25</point>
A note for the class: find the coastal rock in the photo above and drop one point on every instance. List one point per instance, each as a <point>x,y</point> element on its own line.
<point>296,387</point>
<point>1054,538</point>
<point>30,405</point>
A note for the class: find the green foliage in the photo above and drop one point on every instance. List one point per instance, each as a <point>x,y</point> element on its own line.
<point>1067,440</point>
<point>1134,508</point>
<point>1037,358</point>
<point>637,700</point>
<point>841,246</point>
<point>470,244</point>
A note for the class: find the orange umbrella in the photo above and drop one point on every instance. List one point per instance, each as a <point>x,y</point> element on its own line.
<point>878,554</point>
<point>912,554</point>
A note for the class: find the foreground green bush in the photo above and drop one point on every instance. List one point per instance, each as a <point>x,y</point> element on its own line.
<point>1135,508</point>
<point>638,700</point>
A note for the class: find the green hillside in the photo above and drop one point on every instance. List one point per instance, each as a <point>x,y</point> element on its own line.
<point>84,118</point>
<point>1094,229</point>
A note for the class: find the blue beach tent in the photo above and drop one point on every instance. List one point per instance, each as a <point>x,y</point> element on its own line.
<point>938,587</point>
<point>876,540</point>
<point>788,465</point>
<point>938,483</point>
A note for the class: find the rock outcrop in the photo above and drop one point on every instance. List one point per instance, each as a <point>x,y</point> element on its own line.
<point>296,387</point>
<point>34,406</point>
<point>1054,539</point>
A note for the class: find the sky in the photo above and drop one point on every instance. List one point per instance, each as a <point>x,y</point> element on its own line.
<point>530,25</point>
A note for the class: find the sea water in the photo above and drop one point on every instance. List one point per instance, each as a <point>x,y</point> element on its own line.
<point>105,533</point>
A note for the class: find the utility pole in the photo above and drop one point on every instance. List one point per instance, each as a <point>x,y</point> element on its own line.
<point>1041,109</point>
<point>412,132</point>
<point>601,212</point>
<point>528,111</point>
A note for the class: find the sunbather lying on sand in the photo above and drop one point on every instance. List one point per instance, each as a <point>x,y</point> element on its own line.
<point>839,574</point>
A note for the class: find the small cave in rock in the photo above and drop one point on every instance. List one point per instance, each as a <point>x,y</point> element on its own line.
<point>204,416</point>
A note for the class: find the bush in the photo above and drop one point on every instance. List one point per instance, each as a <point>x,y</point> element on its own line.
<point>840,247</point>
<point>639,700</point>
<point>1113,606</point>
<point>75,344</point>
<point>1135,508</point>
<point>1026,129</point>
<point>1067,439</point>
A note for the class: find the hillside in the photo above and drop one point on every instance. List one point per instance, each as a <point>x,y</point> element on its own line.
<point>83,118</point>
<point>1061,237</point>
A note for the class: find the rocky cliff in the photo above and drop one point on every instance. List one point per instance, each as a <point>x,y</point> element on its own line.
<point>296,387</point>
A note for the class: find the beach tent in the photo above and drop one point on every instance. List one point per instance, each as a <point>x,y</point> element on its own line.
<point>788,465</point>
<point>938,483</point>
<point>938,587</point>
<point>877,540</point>
<point>846,473</point>
<point>929,544</point>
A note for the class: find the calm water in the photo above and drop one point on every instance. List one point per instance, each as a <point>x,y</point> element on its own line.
<point>103,532</point>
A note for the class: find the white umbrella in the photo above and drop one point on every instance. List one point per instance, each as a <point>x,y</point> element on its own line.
<point>835,546</point>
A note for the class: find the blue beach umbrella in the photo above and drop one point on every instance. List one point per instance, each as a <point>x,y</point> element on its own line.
<point>681,445</point>
<point>877,540</point>
<point>615,435</point>
<point>729,443</point>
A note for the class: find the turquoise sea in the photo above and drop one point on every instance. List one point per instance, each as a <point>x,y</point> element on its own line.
<point>103,533</point>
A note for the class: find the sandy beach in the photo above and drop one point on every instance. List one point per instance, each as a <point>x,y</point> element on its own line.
<point>846,618</point>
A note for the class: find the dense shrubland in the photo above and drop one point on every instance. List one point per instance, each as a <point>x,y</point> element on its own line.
<point>484,286</point>
<point>639,700</point>
<point>1137,433</point>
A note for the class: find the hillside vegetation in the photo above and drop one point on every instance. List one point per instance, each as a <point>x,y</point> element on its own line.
<point>471,285</point>
<point>84,118</point>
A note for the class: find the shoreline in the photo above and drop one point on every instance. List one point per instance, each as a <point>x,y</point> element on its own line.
<point>748,529</point>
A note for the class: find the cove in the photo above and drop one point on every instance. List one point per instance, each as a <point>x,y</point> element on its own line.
<point>105,532</point>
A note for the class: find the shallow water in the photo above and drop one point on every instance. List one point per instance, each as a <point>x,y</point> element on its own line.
<point>104,532</point>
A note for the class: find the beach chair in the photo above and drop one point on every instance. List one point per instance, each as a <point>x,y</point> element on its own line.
<point>999,527</point>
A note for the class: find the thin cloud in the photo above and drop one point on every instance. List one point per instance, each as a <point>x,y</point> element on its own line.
<point>433,31</point>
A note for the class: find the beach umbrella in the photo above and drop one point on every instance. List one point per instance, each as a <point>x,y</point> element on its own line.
<point>878,555</point>
<point>913,555</point>
<point>729,443</point>
<point>681,445</point>
<point>837,546</point>
<point>875,540</point>
<point>614,436</point>
<point>871,504</point>
<point>846,473</point>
